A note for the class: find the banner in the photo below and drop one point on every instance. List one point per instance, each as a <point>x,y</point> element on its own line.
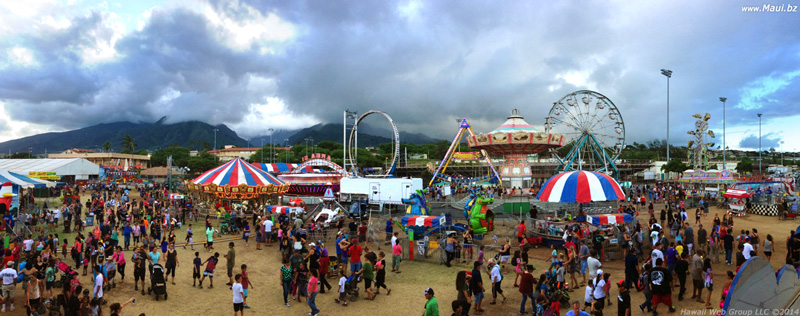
<point>467,155</point>
<point>44,175</point>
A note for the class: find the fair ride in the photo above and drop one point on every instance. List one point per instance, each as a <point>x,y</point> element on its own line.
<point>594,131</point>
<point>439,173</point>
<point>578,188</point>
<point>237,181</point>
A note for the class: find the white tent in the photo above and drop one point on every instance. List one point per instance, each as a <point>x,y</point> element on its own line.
<point>80,168</point>
<point>23,181</point>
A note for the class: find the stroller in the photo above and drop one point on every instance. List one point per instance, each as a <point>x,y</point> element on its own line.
<point>351,287</point>
<point>158,284</point>
<point>110,271</point>
<point>66,277</point>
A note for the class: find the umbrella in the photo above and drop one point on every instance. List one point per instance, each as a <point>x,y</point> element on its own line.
<point>581,187</point>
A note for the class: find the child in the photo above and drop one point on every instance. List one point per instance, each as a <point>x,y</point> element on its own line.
<point>397,252</point>
<point>380,275</point>
<point>239,296</point>
<point>210,267</point>
<point>541,302</point>
<point>164,244</point>
<point>189,239</point>
<point>64,248</point>
<point>342,282</point>
<point>246,284</point>
<point>560,275</point>
<point>481,255</point>
<point>197,263</point>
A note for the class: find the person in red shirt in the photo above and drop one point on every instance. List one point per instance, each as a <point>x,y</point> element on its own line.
<point>526,289</point>
<point>355,256</point>
<point>521,231</point>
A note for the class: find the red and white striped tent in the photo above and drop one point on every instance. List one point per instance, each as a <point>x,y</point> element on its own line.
<point>736,194</point>
<point>235,173</point>
<point>421,220</point>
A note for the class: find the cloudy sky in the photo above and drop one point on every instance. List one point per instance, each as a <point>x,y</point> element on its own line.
<point>256,65</point>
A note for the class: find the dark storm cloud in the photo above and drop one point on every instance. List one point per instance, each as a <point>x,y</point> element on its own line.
<point>174,57</point>
<point>768,141</point>
<point>425,63</point>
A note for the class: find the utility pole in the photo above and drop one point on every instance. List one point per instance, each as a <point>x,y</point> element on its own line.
<point>271,146</point>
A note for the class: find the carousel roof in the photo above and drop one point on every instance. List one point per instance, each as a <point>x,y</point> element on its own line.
<point>514,123</point>
<point>237,172</point>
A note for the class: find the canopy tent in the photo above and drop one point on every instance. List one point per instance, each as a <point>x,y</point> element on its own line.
<point>422,220</point>
<point>581,187</point>
<point>79,168</point>
<point>609,219</point>
<point>23,181</point>
<point>237,179</point>
<point>281,167</point>
<point>736,194</point>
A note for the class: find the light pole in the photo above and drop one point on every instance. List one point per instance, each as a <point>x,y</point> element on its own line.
<point>312,145</point>
<point>262,150</point>
<point>306,146</point>
<point>723,99</point>
<point>667,73</point>
<point>271,146</point>
<point>216,154</point>
<point>780,147</point>
<point>286,155</point>
<point>759,143</point>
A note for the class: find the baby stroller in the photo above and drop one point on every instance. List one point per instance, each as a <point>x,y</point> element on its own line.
<point>158,284</point>
<point>110,271</point>
<point>351,287</point>
<point>66,277</point>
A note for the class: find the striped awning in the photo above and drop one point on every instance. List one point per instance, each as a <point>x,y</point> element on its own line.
<point>608,219</point>
<point>282,167</point>
<point>24,182</point>
<point>421,220</point>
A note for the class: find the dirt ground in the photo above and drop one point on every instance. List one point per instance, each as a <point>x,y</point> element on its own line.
<point>407,287</point>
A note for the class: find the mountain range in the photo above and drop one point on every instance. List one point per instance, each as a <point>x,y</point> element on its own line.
<point>192,134</point>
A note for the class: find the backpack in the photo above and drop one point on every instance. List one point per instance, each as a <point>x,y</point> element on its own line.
<point>550,312</point>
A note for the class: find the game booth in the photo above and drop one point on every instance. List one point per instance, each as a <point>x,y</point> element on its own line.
<point>736,201</point>
<point>765,196</point>
<point>705,185</point>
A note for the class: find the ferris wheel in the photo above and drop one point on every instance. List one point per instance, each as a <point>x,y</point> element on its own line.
<point>594,132</point>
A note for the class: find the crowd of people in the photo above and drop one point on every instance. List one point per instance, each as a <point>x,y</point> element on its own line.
<point>659,256</point>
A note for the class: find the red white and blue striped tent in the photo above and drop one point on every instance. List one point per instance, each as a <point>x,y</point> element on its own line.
<point>281,167</point>
<point>235,173</point>
<point>278,209</point>
<point>421,220</point>
<point>581,187</point>
<point>609,219</point>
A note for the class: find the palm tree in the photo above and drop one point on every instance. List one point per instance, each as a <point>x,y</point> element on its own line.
<point>107,146</point>
<point>129,143</point>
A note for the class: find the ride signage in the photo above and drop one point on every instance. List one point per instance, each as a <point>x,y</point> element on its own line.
<point>44,175</point>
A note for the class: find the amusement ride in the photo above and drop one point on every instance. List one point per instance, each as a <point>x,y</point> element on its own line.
<point>594,131</point>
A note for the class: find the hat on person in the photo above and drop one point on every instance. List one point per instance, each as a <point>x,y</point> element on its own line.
<point>10,264</point>
<point>599,272</point>
<point>621,283</point>
<point>339,233</point>
<point>319,242</point>
<point>354,240</point>
<point>429,291</point>
<point>109,258</point>
<point>312,244</point>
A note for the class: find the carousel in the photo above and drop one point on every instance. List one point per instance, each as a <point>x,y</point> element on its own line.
<point>579,188</point>
<point>237,181</point>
